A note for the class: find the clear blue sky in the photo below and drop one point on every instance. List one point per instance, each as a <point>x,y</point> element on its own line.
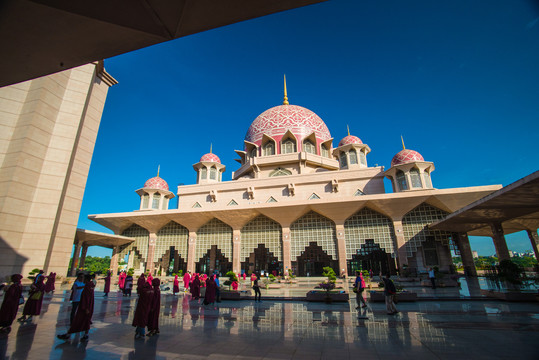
<point>458,79</point>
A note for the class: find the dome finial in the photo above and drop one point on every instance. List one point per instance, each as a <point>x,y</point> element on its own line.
<point>285,101</point>
<point>348,129</point>
<point>158,168</point>
<point>402,140</point>
<point>211,146</point>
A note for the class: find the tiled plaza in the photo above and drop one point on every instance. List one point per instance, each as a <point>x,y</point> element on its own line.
<point>445,329</point>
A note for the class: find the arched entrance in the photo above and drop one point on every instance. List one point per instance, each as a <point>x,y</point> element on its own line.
<point>262,259</point>
<point>213,261</point>
<point>171,262</point>
<point>312,261</point>
<point>371,257</point>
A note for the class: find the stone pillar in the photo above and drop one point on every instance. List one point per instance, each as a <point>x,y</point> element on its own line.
<point>287,256</point>
<point>466,255</point>
<point>534,238</point>
<point>75,262</point>
<point>114,260</point>
<point>141,201</point>
<point>499,242</point>
<point>191,252</point>
<point>341,248</point>
<point>83,255</point>
<point>150,265</point>
<point>236,251</point>
<point>402,257</point>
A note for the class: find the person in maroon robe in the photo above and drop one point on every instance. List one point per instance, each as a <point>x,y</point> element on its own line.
<point>195,288</point>
<point>153,317</point>
<point>140,282</point>
<point>106,290</point>
<point>49,285</point>
<point>142,311</point>
<point>176,286</point>
<point>85,311</point>
<point>10,305</point>
<point>34,302</point>
<point>211,288</point>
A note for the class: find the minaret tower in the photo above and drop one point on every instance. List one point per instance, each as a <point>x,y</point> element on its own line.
<point>155,194</point>
<point>209,168</point>
<point>351,152</point>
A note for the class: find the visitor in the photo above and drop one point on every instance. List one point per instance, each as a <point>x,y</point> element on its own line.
<point>128,284</point>
<point>10,305</point>
<point>195,288</point>
<point>176,285</point>
<point>253,278</point>
<point>359,286</point>
<point>432,278</point>
<point>186,281</point>
<point>256,288</point>
<point>142,311</point>
<point>211,289</point>
<point>244,276</point>
<point>140,282</point>
<point>234,285</point>
<point>121,280</point>
<point>49,285</point>
<point>34,302</point>
<point>106,289</point>
<point>39,274</point>
<point>390,291</point>
<point>153,316</point>
<point>217,288</point>
<point>76,292</point>
<point>149,278</point>
<point>85,311</point>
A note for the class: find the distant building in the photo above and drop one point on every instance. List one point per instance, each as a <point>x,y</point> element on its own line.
<point>474,254</point>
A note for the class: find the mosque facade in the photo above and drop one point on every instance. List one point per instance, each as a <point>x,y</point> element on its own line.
<point>295,203</point>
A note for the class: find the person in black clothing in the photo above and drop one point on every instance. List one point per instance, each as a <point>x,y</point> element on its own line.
<point>256,288</point>
<point>390,291</point>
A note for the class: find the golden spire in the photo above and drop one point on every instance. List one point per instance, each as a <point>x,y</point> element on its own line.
<point>211,146</point>
<point>348,129</point>
<point>285,101</point>
<point>402,140</point>
<point>158,168</point>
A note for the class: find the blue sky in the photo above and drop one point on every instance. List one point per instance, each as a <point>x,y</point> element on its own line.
<point>459,80</point>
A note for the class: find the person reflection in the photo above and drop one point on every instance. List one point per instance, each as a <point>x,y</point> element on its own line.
<point>174,306</point>
<point>144,350</point>
<point>195,312</point>
<point>72,349</point>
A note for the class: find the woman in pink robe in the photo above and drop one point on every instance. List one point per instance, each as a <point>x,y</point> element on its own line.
<point>85,311</point>
<point>195,288</point>
<point>149,279</point>
<point>34,302</point>
<point>153,316</point>
<point>186,280</point>
<point>121,280</point>
<point>234,285</point>
<point>176,286</point>
<point>244,276</point>
<point>49,285</point>
<point>10,305</point>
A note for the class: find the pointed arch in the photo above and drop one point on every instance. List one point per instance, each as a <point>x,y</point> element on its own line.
<point>313,227</point>
<point>415,227</point>
<point>214,232</point>
<point>172,235</point>
<point>139,247</point>
<point>261,230</point>
<point>369,224</point>
<point>280,172</point>
<point>289,143</point>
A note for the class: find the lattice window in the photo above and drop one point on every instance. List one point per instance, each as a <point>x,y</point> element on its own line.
<point>415,178</point>
<point>214,232</point>
<point>288,146</point>
<point>172,234</point>
<point>313,227</point>
<point>362,158</point>
<point>269,148</point>
<point>325,151</point>
<point>261,230</point>
<point>428,182</point>
<point>401,180</point>
<point>368,224</point>
<point>203,173</point>
<point>280,172</point>
<point>416,230</point>
<point>252,153</point>
<point>140,244</point>
<point>213,173</point>
<point>155,201</point>
<point>309,147</point>
<point>353,157</point>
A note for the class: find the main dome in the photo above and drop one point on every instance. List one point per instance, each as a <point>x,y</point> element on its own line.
<point>405,156</point>
<point>275,122</point>
<point>156,183</point>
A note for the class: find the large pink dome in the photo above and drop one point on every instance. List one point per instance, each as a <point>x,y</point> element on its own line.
<point>156,183</point>
<point>350,139</point>
<point>275,122</point>
<point>210,157</point>
<point>405,156</point>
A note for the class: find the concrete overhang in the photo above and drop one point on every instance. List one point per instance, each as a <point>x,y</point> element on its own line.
<point>515,206</point>
<point>41,37</point>
<point>95,238</point>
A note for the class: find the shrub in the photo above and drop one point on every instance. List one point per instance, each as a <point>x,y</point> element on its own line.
<point>330,273</point>
<point>231,277</point>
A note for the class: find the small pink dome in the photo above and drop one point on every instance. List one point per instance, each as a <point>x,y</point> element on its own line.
<point>209,157</point>
<point>350,139</point>
<point>156,183</point>
<point>406,156</point>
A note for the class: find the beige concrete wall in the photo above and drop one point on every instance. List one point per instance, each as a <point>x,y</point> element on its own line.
<point>50,125</point>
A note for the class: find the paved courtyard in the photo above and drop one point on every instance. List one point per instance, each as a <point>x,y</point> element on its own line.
<point>445,329</point>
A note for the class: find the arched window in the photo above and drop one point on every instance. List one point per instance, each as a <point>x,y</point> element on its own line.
<point>325,151</point>
<point>415,178</point>
<point>145,201</point>
<point>344,162</point>
<point>428,182</point>
<point>288,146</point>
<point>309,147</point>
<point>353,156</point>
<point>280,172</point>
<point>362,158</point>
<point>401,180</point>
<point>155,201</point>
<point>213,173</point>
<point>269,149</point>
<point>203,173</point>
<point>252,153</point>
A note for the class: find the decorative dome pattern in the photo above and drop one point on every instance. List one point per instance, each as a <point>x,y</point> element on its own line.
<point>156,183</point>
<point>350,139</point>
<point>210,157</point>
<point>275,122</point>
<point>406,156</point>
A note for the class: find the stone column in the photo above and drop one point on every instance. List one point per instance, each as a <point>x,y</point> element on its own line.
<point>466,255</point>
<point>534,238</point>
<point>236,250</point>
<point>499,242</point>
<point>402,257</point>
<point>114,260</point>
<point>287,256</point>
<point>75,262</point>
<point>191,252</point>
<point>141,201</point>
<point>83,255</point>
<point>341,248</point>
<point>150,265</point>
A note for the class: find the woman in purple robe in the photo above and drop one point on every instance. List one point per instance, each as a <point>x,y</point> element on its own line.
<point>140,282</point>
<point>211,288</point>
<point>153,317</point>
<point>85,311</point>
<point>106,290</point>
<point>176,286</point>
<point>49,285</point>
<point>195,288</point>
<point>34,302</point>
<point>10,305</point>
<point>142,311</point>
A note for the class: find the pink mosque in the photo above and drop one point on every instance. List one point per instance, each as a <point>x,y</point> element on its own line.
<point>295,203</point>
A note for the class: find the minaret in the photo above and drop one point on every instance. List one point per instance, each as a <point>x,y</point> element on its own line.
<point>351,152</point>
<point>155,194</point>
<point>209,168</point>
